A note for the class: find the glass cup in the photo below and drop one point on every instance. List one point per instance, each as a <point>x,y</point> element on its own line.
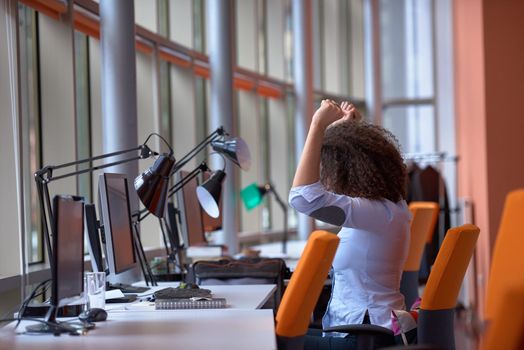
<point>95,290</point>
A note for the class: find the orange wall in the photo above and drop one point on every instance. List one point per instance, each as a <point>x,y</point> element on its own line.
<point>489,98</point>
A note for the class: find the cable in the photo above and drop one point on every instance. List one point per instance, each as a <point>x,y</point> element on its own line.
<point>31,296</point>
<point>163,139</point>
<point>69,329</point>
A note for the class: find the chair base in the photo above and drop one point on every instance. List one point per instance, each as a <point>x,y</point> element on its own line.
<point>436,327</point>
<point>409,287</point>
<point>290,343</point>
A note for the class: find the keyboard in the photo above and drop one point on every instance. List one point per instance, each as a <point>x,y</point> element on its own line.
<point>127,288</point>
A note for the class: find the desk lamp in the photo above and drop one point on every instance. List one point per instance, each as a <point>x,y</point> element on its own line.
<point>208,194</point>
<point>151,185</point>
<point>252,196</point>
<point>235,149</point>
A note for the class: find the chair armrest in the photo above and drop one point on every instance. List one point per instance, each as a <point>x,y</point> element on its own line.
<point>370,329</point>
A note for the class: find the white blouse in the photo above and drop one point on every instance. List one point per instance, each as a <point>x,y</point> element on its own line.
<point>373,247</point>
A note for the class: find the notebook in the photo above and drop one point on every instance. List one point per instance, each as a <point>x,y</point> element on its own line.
<point>190,303</point>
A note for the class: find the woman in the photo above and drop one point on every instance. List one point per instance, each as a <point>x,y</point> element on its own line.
<point>351,174</point>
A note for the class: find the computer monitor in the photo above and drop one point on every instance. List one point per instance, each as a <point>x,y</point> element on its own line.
<point>116,219</point>
<point>93,239</point>
<point>67,262</point>
<point>210,223</point>
<point>173,233</point>
<point>68,249</point>
<point>192,227</point>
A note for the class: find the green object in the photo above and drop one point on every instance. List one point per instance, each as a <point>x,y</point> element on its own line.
<point>251,196</point>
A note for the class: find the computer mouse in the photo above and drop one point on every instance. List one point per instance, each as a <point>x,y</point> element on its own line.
<point>93,315</point>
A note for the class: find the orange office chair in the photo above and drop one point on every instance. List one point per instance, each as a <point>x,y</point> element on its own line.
<point>303,290</point>
<point>507,332</point>
<point>424,218</point>
<point>437,307</point>
<point>507,278</point>
<point>436,315</point>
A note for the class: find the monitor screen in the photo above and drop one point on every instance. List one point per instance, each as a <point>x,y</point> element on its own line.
<point>68,249</point>
<point>93,239</point>
<point>116,218</point>
<point>174,239</point>
<point>190,213</point>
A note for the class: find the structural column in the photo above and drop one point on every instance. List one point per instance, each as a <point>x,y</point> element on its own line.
<point>373,78</point>
<point>488,107</point>
<point>119,106</point>
<point>303,77</point>
<point>221,60</point>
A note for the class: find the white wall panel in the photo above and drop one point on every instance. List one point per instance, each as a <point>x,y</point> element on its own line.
<point>57,99</point>
<point>181,22</point>
<point>146,14</point>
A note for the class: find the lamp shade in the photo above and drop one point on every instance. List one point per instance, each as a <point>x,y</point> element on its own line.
<point>236,150</point>
<point>252,195</point>
<point>209,193</point>
<point>152,185</point>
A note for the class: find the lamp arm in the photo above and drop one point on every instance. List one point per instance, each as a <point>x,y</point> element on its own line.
<point>219,132</point>
<point>284,207</point>
<point>91,169</point>
<point>279,200</point>
<point>45,175</point>
<point>176,187</point>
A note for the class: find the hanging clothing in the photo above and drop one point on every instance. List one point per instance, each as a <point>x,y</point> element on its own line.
<point>428,185</point>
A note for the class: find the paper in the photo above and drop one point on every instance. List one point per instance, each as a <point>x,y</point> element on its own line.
<point>114,294</point>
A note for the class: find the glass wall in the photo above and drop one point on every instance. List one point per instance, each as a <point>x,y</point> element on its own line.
<point>407,71</point>
<point>31,127</point>
<point>61,97</point>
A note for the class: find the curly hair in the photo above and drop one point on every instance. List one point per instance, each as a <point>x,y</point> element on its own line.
<point>359,159</point>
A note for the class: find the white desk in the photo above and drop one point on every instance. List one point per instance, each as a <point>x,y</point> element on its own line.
<point>178,329</point>
<point>238,296</point>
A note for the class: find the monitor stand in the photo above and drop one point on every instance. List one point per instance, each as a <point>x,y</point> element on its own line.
<point>126,288</point>
<point>128,298</point>
<point>51,325</point>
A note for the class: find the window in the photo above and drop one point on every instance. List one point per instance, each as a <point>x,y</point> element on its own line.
<point>31,128</point>
<point>406,46</point>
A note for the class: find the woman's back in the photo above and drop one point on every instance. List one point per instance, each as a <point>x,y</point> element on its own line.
<point>373,247</point>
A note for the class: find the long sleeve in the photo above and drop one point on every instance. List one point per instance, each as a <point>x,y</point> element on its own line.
<point>341,210</point>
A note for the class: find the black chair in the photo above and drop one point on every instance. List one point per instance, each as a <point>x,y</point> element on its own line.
<point>242,271</point>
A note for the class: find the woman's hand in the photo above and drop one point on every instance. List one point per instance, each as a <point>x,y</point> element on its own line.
<point>328,113</point>
<point>350,112</point>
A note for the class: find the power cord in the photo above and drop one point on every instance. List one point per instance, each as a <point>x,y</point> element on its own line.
<point>32,296</point>
<point>70,328</point>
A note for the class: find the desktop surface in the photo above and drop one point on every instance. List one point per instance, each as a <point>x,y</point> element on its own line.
<point>170,329</point>
<point>245,296</point>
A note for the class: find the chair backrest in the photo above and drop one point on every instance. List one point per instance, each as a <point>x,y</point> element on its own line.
<point>446,276</point>
<point>507,265</point>
<point>505,331</point>
<point>305,285</point>
<point>424,218</point>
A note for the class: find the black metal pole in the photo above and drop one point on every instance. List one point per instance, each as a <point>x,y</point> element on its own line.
<point>176,187</point>
<point>142,256</point>
<point>166,245</point>
<point>219,132</point>
<point>138,254</point>
<point>283,205</point>
<point>43,219</point>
